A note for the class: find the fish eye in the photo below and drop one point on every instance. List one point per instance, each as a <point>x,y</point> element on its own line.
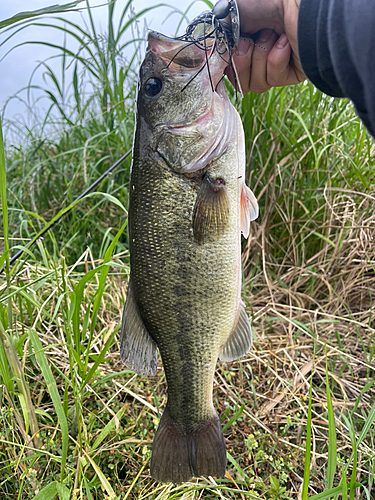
<point>153,87</point>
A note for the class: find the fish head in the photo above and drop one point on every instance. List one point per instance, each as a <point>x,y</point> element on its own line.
<point>183,101</point>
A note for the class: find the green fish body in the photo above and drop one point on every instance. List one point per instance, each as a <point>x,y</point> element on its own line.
<point>188,206</point>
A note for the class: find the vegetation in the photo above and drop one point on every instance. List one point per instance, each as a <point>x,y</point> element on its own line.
<point>298,410</point>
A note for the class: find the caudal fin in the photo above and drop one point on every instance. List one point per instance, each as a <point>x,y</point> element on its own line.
<point>177,456</point>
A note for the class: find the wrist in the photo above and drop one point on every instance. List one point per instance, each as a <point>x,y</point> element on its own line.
<point>256,15</point>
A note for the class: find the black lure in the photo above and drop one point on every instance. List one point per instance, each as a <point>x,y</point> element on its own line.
<point>214,30</point>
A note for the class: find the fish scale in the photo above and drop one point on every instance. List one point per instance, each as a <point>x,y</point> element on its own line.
<point>163,255</point>
<point>187,208</point>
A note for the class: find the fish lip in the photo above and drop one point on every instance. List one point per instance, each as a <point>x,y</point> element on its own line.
<point>163,46</point>
<point>161,37</point>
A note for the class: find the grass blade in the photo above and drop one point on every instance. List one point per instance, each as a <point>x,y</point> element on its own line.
<point>49,492</point>
<point>98,360</point>
<point>369,421</point>
<point>18,374</point>
<point>104,481</point>
<point>332,444</point>
<point>329,493</point>
<point>62,491</point>
<point>108,428</point>
<point>3,195</point>
<point>344,486</point>
<point>234,418</point>
<point>306,472</point>
<point>54,393</point>
<point>52,9</point>
<point>99,293</point>
<point>4,369</point>
<point>349,425</point>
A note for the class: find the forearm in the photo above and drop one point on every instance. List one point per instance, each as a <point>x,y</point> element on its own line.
<point>336,42</point>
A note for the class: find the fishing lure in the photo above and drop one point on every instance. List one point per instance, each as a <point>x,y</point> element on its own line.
<point>218,29</point>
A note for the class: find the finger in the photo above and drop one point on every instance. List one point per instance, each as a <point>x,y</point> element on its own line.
<point>258,76</point>
<point>278,63</point>
<point>280,70</point>
<point>242,63</point>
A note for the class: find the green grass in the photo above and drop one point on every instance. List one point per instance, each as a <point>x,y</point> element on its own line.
<point>298,411</point>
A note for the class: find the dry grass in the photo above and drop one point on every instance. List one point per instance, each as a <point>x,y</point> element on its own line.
<point>308,269</point>
<point>290,319</point>
<point>301,298</point>
<point>324,302</point>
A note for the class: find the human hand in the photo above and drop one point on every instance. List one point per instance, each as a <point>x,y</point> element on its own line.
<point>271,58</point>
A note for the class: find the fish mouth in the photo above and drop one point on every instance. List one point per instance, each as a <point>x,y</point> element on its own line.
<point>191,140</point>
<point>175,52</point>
<point>182,56</point>
<point>190,57</point>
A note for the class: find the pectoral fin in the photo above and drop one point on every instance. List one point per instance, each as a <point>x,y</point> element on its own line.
<point>138,349</point>
<point>211,210</point>
<point>249,209</point>
<point>240,340</point>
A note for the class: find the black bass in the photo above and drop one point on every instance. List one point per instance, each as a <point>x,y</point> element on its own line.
<point>188,206</point>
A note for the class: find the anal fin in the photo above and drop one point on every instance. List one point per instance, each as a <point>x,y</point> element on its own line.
<point>138,349</point>
<point>240,340</point>
<point>249,209</point>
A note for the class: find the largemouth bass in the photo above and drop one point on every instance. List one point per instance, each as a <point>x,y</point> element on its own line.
<point>188,206</point>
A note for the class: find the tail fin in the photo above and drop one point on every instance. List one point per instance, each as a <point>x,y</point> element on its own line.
<point>177,456</point>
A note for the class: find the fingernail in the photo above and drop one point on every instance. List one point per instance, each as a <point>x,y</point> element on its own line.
<point>282,41</point>
<point>264,35</point>
<point>243,47</point>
